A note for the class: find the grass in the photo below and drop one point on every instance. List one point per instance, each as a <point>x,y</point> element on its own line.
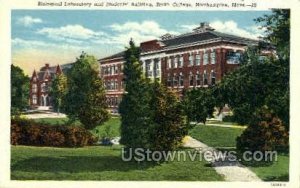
<point>104,163</point>
<point>110,128</point>
<point>216,136</point>
<point>277,171</point>
<point>219,137</point>
<point>52,121</point>
<point>100,163</point>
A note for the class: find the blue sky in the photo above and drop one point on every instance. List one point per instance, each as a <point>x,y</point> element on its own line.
<point>59,36</point>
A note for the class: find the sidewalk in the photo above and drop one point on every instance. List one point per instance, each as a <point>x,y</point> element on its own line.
<point>220,125</point>
<point>232,171</point>
<point>45,114</point>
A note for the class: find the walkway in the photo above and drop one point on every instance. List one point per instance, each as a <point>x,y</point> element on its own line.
<point>220,125</point>
<point>231,171</point>
<point>45,114</point>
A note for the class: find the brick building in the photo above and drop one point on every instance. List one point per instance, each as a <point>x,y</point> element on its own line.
<point>196,59</point>
<point>40,83</point>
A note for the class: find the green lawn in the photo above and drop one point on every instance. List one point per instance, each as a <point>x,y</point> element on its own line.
<point>216,136</point>
<point>278,171</point>
<point>111,127</point>
<point>104,163</point>
<point>53,121</point>
<point>100,163</point>
<point>219,137</point>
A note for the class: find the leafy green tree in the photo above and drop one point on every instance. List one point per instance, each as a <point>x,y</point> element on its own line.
<point>277,29</point>
<point>58,91</point>
<point>199,104</point>
<point>134,107</point>
<point>19,90</point>
<point>169,126</point>
<point>85,99</point>
<point>261,82</point>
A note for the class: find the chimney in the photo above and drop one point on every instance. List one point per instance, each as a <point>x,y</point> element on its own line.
<point>204,26</point>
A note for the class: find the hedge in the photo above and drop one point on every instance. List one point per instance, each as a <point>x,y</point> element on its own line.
<point>27,132</point>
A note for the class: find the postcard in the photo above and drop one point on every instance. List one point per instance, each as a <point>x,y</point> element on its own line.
<point>149,93</point>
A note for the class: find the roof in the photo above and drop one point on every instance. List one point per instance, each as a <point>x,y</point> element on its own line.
<point>196,37</point>
<point>114,56</point>
<point>200,35</point>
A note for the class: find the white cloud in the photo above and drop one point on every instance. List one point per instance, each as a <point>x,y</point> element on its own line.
<point>70,33</point>
<point>188,28</point>
<point>35,44</point>
<point>145,27</point>
<point>28,21</point>
<point>139,31</point>
<point>231,27</point>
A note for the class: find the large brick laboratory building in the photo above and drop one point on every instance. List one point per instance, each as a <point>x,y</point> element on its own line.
<point>196,59</point>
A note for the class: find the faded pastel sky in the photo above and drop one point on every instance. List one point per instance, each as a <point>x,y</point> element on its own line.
<point>58,37</point>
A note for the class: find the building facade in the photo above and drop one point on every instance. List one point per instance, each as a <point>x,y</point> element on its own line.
<point>39,86</point>
<point>199,58</point>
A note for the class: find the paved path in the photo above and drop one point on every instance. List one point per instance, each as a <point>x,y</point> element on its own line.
<point>231,171</point>
<point>220,125</point>
<point>45,115</point>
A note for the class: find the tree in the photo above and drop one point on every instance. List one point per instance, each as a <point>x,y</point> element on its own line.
<point>199,104</point>
<point>19,90</point>
<point>85,99</point>
<point>261,81</point>
<point>169,126</point>
<point>151,115</point>
<point>134,107</point>
<point>58,91</point>
<point>277,29</point>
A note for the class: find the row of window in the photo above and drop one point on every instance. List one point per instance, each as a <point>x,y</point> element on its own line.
<point>194,59</point>
<point>152,69</point>
<point>43,87</point>
<point>111,70</point>
<point>113,101</point>
<point>194,79</point>
<point>113,84</point>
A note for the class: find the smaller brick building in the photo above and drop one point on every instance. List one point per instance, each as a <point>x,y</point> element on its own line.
<point>40,84</point>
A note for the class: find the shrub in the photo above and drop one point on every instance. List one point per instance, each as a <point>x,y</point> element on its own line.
<point>267,134</point>
<point>26,132</point>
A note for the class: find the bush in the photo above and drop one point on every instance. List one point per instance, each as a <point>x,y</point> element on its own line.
<point>26,132</point>
<point>268,134</point>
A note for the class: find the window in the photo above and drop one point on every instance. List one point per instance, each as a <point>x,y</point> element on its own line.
<point>116,69</point>
<point>44,87</point>
<point>198,79</point>
<point>191,79</point>
<point>213,57</point>
<point>180,62</point>
<point>205,81</point>
<point>191,60</point>
<point>34,99</point>
<point>175,62</point>
<point>34,88</point>
<point>169,63</point>
<point>172,62</point>
<point>180,79</point>
<point>175,80</point>
<point>116,85</point>
<point>108,85</point>
<point>198,58</point>
<point>205,59</point>
<point>233,57</point>
<point>148,69</point>
<point>169,80</point>
<point>156,69</point>
<point>213,78</point>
